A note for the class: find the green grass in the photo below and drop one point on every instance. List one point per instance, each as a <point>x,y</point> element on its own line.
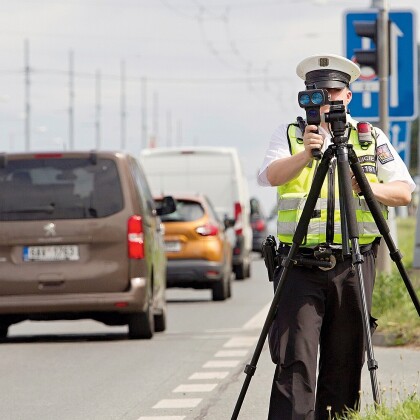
<point>406,231</point>
<point>397,316</point>
<point>409,409</point>
<point>392,304</point>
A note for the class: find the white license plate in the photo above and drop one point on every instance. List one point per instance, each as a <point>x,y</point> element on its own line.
<point>172,246</point>
<point>51,253</point>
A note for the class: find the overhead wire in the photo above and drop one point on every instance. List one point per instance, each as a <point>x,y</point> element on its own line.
<point>242,63</point>
<point>168,80</point>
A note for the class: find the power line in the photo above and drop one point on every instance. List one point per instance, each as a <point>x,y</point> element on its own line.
<point>167,80</point>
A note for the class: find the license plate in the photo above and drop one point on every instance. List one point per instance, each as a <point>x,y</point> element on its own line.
<point>51,253</point>
<point>172,246</point>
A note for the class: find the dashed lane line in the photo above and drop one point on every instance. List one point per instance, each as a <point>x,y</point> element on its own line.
<point>231,353</point>
<point>221,364</point>
<point>237,346</point>
<point>257,321</point>
<point>209,375</point>
<point>178,403</point>
<point>195,388</point>
<point>240,341</point>
<point>162,418</point>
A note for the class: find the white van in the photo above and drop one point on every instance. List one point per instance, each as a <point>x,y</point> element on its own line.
<point>215,172</point>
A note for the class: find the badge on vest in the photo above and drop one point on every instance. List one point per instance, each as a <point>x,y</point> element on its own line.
<point>384,154</point>
<point>366,158</point>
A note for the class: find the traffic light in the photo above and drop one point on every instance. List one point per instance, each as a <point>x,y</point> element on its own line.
<point>367,57</point>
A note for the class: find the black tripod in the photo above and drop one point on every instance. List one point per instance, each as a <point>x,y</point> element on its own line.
<point>345,156</point>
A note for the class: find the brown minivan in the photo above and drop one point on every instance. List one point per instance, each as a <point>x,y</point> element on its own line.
<point>80,237</point>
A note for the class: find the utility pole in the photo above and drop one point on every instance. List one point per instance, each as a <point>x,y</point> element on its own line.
<point>123,107</point>
<point>179,133</point>
<point>168,128</point>
<point>71,101</point>
<point>416,259</point>
<point>155,120</point>
<point>27,98</point>
<point>418,107</point>
<point>384,260</point>
<point>383,64</point>
<point>143,113</point>
<point>98,110</point>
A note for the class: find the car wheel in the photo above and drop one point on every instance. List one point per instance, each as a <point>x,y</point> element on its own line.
<point>240,271</point>
<point>248,269</point>
<point>229,290</point>
<point>160,321</point>
<point>4,329</point>
<point>141,325</point>
<point>219,290</point>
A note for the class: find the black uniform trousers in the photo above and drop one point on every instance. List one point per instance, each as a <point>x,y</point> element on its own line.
<point>319,308</point>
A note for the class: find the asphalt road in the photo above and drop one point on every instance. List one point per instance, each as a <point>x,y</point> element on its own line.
<point>83,370</point>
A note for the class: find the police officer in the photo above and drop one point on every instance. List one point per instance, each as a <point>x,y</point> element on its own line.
<point>320,309</point>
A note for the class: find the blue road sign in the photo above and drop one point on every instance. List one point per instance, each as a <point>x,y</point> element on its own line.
<point>403,60</point>
<point>399,134</point>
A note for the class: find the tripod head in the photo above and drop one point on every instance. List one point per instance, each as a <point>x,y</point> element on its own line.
<point>337,118</point>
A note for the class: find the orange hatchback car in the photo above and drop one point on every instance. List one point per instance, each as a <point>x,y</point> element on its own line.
<point>198,247</point>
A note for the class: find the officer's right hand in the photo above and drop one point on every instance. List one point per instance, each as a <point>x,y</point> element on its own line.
<point>312,140</point>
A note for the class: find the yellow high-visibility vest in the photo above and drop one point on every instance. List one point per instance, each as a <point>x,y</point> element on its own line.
<point>325,225</point>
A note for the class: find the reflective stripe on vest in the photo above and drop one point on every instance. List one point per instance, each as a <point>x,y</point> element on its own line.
<point>292,198</point>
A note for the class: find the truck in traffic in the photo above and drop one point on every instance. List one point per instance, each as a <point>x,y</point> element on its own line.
<point>216,172</point>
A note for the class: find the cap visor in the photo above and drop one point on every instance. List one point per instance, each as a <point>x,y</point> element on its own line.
<point>329,84</point>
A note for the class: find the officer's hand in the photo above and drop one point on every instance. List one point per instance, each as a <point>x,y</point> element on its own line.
<point>354,184</point>
<point>311,139</point>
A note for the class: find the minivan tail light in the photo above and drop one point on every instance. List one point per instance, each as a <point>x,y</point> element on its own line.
<point>207,230</point>
<point>238,218</point>
<point>259,225</point>
<point>135,237</point>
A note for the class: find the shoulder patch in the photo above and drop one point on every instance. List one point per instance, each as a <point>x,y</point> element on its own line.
<point>384,154</point>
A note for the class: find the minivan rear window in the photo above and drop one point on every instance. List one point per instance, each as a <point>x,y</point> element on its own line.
<point>59,188</point>
<point>186,211</point>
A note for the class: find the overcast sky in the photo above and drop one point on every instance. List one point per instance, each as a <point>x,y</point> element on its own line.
<point>202,72</point>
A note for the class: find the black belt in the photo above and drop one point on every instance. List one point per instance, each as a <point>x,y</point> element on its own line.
<point>324,258</point>
<point>284,250</point>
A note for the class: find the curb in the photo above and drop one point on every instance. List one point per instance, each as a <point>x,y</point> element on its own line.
<point>383,339</point>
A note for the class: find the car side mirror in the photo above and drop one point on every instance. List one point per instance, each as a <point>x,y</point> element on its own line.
<point>228,222</point>
<point>166,206</point>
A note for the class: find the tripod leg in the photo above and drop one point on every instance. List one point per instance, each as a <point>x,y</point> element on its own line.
<point>353,233</point>
<point>298,237</point>
<point>382,225</point>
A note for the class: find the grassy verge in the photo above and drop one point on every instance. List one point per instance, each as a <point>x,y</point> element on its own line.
<point>392,304</point>
<point>408,409</point>
<point>398,318</point>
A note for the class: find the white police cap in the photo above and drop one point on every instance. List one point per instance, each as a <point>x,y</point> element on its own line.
<point>327,71</point>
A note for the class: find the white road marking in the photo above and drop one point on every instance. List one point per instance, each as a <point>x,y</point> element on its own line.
<point>178,403</point>
<point>162,418</point>
<point>195,388</point>
<point>221,363</point>
<point>240,342</point>
<point>211,337</point>
<point>257,321</point>
<point>231,353</point>
<point>220,330</point>
<point>209,375</point>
